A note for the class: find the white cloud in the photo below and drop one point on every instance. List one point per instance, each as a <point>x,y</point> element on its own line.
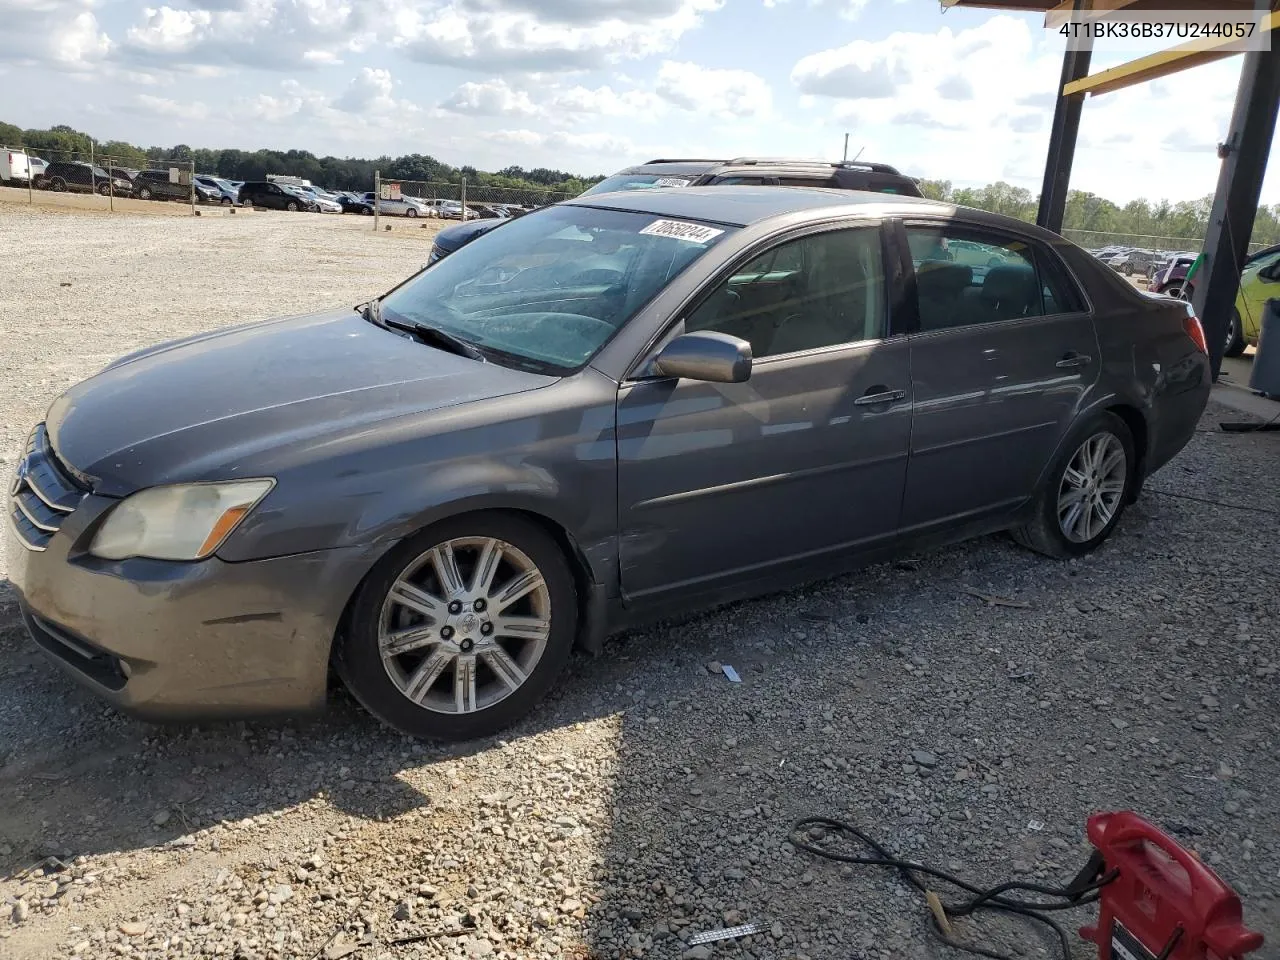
<point>56,34</point>
<point>600,144</point>
<point>607,102</point>
<point>557,37</point>
<point>184,111</point>
<point>366,107</point>
<point>551,102</point>
<point>369,92</point>
<point>975,105</point>
<point>267,34</point>
<point>737,93</point>
<point>492,98</point>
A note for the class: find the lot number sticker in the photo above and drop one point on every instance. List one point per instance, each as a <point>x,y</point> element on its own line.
<point>670,182</point>
<point>679,230</point>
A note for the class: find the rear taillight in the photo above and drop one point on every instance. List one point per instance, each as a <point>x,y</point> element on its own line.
<point>1195,331</point>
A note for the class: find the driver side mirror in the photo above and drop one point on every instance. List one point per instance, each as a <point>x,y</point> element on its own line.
<point>705,355</point>
<point>1270,273</point>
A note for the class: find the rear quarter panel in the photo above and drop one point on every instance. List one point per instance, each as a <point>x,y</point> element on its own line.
<point>1149,361</point>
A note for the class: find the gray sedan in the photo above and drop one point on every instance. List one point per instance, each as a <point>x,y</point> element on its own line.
<point>608,411</point>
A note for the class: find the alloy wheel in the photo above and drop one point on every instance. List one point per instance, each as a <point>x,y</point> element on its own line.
<point>1092,487</point>
<point>464,625</point>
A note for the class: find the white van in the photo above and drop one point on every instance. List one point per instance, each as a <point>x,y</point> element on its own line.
<point>15,169</point>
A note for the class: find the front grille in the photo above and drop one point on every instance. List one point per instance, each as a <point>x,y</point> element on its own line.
<point>43,493</point>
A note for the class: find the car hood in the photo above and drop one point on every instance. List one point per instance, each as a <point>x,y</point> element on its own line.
<point>451,238</point>
<point>243,401</point>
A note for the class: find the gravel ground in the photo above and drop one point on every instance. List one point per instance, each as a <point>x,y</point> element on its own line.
<point>650,797</point>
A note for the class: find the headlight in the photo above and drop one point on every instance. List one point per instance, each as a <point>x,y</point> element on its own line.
<point>183,522</point>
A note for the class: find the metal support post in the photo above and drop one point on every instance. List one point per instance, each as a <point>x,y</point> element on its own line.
<point>377,198</point>
<point>464,199</point>
<point>1235,203</point>
<point>1062,137</point>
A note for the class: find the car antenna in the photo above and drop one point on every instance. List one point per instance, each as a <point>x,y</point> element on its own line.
<point>858,154</point>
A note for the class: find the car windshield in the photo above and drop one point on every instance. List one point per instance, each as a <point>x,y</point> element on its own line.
<point>637,181</point>
<point>552,287</point>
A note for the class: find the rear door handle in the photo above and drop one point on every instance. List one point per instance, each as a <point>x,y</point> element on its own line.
<point>881,395</point>
<point>1073,360</point>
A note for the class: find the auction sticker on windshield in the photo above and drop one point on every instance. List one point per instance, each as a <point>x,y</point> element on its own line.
<point>680,230</point>
<point>670,182</point>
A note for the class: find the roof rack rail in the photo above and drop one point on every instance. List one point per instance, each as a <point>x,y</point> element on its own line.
<point>803,162</point>
<point>794,161</point>
<point>683,160</point>
<point>867,165</point>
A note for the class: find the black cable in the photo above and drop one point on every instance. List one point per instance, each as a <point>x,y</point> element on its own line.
<point>1082,891</point>
<point>1213,503</point>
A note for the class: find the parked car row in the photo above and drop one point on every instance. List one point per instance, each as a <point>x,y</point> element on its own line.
<point>412,207</point>
<point>1132,261</point>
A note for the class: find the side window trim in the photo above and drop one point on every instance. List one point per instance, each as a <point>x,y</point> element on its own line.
<point>638,370</point>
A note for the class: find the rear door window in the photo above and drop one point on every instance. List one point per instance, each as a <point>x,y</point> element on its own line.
<point>967,276</point>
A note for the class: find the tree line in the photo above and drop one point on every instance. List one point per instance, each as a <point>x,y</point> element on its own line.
<point>1087,214</point>
<point>335,173</point>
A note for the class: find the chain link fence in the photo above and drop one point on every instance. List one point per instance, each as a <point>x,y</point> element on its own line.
<point>87,180</point>
<point>457,201</point>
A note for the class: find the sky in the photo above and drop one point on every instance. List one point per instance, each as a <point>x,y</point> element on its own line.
<point>591,86</point>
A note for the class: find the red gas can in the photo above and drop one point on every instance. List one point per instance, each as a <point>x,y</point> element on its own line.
<point>1164,904</point>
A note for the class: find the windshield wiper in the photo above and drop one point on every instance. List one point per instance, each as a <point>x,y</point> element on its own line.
<point>433,336</point>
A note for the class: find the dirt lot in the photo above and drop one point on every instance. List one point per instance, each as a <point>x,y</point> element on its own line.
<point>650,797</point>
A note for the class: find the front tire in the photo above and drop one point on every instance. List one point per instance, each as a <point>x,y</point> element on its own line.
<point>292,207</point>
<point>462,628</point>
<point>1235,336</point>
<point>144,193</point>
<point>1085,491</point>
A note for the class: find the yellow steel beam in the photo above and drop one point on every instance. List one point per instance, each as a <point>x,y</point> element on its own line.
<point>1182,57</point>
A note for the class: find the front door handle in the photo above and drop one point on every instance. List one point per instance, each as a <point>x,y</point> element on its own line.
<point>879,394</point>
<point>1073,360</point>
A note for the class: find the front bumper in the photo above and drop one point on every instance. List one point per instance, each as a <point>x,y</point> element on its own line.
<point>204,640</point>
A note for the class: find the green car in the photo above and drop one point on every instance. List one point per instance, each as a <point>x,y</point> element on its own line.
<point>1259,282</point>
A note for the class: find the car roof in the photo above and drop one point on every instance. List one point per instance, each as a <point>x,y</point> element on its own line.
<point>741,206</point>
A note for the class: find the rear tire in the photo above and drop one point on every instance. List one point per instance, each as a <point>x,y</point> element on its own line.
<point>422,689</point>
<point>1084,492</point>
<point>1235,336</point>
<point>144,193</point>
<point>58,185</point>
